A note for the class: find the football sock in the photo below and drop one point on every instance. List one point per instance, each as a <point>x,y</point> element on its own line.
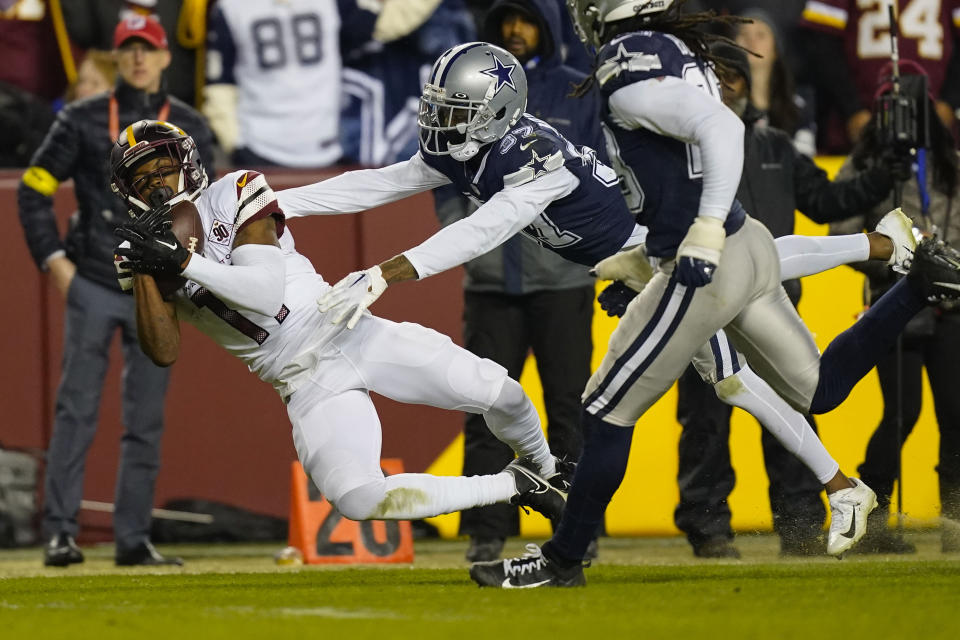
<point>805,255</point>
<point>852,354</point>
<point>409,496</point>
<point>599,473</point>
<point>513,420</point>
<point>750,392</point>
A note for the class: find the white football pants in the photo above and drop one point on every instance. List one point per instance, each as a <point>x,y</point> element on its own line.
<point>337,433</point>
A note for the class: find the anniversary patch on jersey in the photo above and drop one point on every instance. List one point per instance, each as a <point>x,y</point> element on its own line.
<point>220,233</point>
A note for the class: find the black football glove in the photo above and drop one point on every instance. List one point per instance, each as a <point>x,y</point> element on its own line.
<point>897,163</point>
<point>694,272</point>
<point>154,249</point>
<point>615,298</point>
<point>155,220</point>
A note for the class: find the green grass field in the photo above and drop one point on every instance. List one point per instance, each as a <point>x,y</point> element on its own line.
<point>641,588</point>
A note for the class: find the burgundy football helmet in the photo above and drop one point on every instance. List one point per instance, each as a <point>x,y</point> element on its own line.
<point>147,140</point>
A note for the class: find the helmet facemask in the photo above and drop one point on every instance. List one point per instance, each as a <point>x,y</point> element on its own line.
<point>454,125</point>
<point>148,190</point>
<point>475,93</point>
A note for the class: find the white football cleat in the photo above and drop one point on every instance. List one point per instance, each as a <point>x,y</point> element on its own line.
<point>899,228</point>
<point>848,516</point>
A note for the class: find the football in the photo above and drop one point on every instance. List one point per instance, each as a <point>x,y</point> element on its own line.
<point>188,228</point>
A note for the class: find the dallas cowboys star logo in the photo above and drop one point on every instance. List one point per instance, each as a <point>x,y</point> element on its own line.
<point>537,164</point>
<point>502,73</point>
<point>626,61</point>
<point>623,56</point>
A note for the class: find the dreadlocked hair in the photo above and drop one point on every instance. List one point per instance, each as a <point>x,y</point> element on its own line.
<point>685,26</point>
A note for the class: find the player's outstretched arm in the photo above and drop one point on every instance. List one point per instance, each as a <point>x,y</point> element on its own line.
<point>488,227</point>
<point>158,329</point>
<point>360,190</point>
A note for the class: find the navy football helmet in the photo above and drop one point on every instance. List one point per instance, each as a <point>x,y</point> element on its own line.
<point>475,93</point>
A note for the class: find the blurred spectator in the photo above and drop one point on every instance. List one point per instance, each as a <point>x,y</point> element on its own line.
<point>382,83</point>
<point>33,75</point>
<point>91,23</point>
<point>96,74</point>
<point>274,72</point>
<point>776,180</point>
<point>34,48</point>
<point>24,121</point>
<point>848,42</point>
<point>773,92</point>
<point>81,269</point>
<point>931,340</point>
<point>520,296</point>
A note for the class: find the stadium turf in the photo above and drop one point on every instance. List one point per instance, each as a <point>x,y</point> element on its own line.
<point>642,589</point>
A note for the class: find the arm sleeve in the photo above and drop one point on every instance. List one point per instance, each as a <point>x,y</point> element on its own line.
<point>672,107</point>
<point>823,201</point>
<point>399,18</point>
<point>53,163</point>
<point>503,215</point>
<point>361,190</point>
<point>254,282</point>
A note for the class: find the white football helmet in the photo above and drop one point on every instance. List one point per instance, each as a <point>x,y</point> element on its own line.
<point>475,93</point>
<point>591,17</point>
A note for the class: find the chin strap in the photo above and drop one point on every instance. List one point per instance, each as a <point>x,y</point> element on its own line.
<point>466,151</point>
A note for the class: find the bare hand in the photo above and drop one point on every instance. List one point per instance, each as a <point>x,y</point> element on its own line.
<point>62,272</point>
<point>856,123</point>
<point>946,113</point>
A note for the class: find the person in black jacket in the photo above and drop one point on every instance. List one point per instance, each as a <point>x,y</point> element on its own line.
<point>520,297</point>
<point>81,268</point>
<point>776,180</point>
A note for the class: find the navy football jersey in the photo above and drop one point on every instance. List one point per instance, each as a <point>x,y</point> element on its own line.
<point>589,224</point>
<point>662,177</point>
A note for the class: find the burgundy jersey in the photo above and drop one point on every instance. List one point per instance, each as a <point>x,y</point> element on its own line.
<point>28,49</point>
<point>927,32</point>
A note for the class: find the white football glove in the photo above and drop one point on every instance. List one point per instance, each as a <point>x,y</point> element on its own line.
<point>353,295</point>
<point>124,276</point>
<point>631,267</point>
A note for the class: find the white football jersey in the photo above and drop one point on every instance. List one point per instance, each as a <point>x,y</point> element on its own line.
<point>286,66</point>
<point>281,349</point>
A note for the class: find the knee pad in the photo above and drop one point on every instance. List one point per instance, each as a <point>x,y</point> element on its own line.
<point>361,503</point>
<point>511,399</point>
<point>478,381</point>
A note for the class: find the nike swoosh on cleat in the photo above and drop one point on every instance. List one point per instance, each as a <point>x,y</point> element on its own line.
<point>506,584</point>
<point>849,533</point>
<point>948,285</point>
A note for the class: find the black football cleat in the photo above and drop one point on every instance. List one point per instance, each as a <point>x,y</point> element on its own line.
<point>483,549</point>
<point>528,572</point>
<point>61,551</point>
<point>534,491</point>
<point>145,555</point>
<point>716,548</point>
<point>936,270</point>
<point>563,477</point>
